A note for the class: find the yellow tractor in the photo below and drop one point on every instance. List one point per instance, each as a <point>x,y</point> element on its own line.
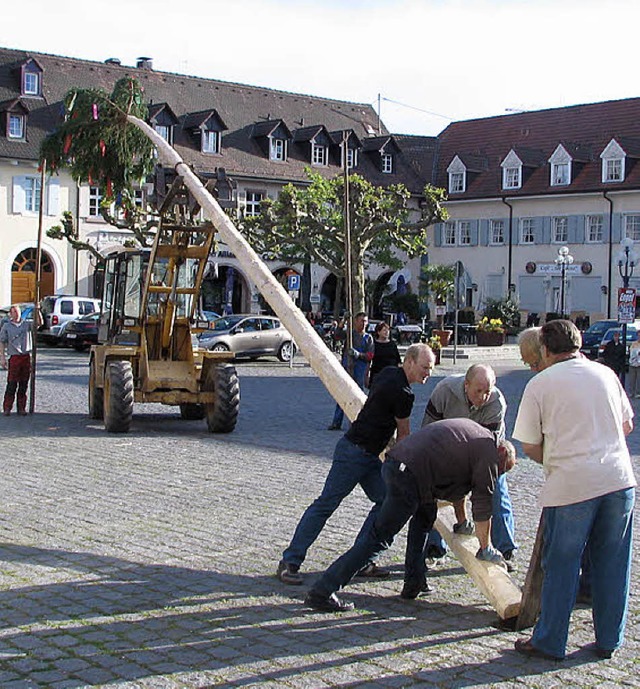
<point>147,329</point>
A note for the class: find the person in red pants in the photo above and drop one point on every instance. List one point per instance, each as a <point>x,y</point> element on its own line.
<point>16,344</point>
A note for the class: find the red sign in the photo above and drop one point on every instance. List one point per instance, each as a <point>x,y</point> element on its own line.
<point>626,304</point>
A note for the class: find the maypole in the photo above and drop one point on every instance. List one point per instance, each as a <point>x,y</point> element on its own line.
<point>337,381</point>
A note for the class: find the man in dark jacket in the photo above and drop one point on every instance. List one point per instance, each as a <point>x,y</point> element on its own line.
<point>614,354</point>
<point>443,461</point>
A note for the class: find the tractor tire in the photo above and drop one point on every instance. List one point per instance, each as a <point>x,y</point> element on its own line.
<point>118,396</point>
<point>222,415</point>
<point>192,412</point>
<point>96,394</point>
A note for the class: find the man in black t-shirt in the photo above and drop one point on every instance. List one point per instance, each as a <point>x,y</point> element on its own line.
<point>442,461</point>
<point>356,457</point>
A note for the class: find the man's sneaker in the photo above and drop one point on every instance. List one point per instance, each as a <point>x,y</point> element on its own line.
<point>372,571</point>
<point>327,603</point>
<point>288,573</point>
<point>510,560</point>
<point>412,589</point>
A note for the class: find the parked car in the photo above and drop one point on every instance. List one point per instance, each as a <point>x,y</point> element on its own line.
<point>632,336</point>
<point>82,332</point>
<point>592,337</point>
<point>250,336</point>
<point>59,309</point>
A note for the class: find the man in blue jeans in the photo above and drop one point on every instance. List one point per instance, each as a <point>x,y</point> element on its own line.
<point>573,419</point>
<point>444,461</point>
<point>356,360</point>
<point>475,396</point>
<point>356,459</point>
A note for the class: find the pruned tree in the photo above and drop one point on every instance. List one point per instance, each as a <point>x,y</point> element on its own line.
<point>100,147</point>
<point>309,222</point>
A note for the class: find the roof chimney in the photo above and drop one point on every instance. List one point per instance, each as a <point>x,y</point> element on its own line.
<point>112,61</point>
<point>144,63</point>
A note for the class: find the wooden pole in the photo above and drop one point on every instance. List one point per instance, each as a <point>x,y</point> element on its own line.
<point>36,297</point>
<point>337,381</point>
<point>348,277</point>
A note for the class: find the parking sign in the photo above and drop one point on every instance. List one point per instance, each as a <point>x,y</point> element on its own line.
<point>293,283</point>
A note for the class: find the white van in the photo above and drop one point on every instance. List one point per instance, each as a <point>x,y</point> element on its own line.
<point>59,309</point>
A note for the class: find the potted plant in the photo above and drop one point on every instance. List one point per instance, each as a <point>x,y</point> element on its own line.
<point>490,332</point>
<point>439,282</point>
<point>436,346</point>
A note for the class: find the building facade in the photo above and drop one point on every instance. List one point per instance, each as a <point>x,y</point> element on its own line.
<point>249,141</point>
<point>523,186</point>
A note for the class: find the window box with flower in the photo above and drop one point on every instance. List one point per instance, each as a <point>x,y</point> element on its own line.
<point>490,332</point>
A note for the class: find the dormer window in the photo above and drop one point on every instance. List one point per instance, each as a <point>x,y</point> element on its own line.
<point>613,162</point>
<point>457,171</point>
<point>386,162</point>
<point>163,120</point>
<point>210,142</point>
<point>277,150</point>
<point>511,171</point>
<point>15,126</point>
<point>164,131</point>
<point>352,158</point>
<point>319,154</point>
<point>560,162</point>
<point>31,78</point>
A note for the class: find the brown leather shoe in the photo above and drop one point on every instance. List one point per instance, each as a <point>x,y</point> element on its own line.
<point>525,647</point>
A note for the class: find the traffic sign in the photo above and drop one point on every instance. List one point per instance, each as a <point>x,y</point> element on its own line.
<point>293,283</point>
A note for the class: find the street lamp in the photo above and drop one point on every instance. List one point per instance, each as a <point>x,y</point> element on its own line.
<point>563,260</point>
<point>627,260</point>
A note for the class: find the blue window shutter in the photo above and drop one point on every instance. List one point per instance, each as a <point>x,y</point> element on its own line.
<point>581,229</point>
<point>483,232</point>
<point>437,234</point>
<point>616,230</point>
<point>474,232</point>
<point>545,231</point>
<point>19,195</point>
<point>572,229</point>
<point>53,196</point>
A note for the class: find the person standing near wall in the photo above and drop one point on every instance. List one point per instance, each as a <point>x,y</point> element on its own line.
<point>16,344</point>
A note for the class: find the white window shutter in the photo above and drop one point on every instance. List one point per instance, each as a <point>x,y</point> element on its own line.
<point>19,194</point>
<point>53,196</point>
<point>83,192</point>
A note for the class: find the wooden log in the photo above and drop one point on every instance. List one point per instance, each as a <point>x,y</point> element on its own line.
<point>532,590</point>
<point>493,580</point>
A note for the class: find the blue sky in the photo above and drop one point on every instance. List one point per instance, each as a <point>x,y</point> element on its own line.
<point>431,61</point>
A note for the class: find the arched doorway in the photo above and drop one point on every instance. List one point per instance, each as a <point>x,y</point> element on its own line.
<point>23,276</point>
<point>380,290</point>
<point>328,295</point>
<point>223,290</point>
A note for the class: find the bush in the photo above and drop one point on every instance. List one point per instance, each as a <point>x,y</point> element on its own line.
<point>506,310</point>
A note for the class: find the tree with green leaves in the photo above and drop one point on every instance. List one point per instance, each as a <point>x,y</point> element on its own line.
<point>308,222</point>
<point>99,147</point>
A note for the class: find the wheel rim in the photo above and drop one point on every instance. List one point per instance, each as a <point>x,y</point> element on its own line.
<point>220,348</point>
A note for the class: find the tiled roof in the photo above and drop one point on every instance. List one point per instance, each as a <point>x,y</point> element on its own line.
<point>242,108</point>
<point>584,130</point>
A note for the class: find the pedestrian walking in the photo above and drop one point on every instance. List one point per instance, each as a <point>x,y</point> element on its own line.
<point>385,352</point>
<point>634,368</point>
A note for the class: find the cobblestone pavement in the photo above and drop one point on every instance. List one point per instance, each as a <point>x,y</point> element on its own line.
<point>147,560</point>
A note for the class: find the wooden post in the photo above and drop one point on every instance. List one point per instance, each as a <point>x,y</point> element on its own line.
<point>532,590</point>
<point>36,296</point>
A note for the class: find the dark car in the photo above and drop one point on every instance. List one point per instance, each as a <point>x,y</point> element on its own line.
<point>592,337</point>
<point>249,336</point>
<point>81,333</point>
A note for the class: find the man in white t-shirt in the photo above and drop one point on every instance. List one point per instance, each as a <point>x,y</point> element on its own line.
<point>573,419</point>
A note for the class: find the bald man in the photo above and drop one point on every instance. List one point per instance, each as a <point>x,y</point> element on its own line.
<point>475,396</point>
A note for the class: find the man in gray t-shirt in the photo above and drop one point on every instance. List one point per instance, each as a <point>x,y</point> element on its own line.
<point>15,343</point>
<point>475,396</point>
